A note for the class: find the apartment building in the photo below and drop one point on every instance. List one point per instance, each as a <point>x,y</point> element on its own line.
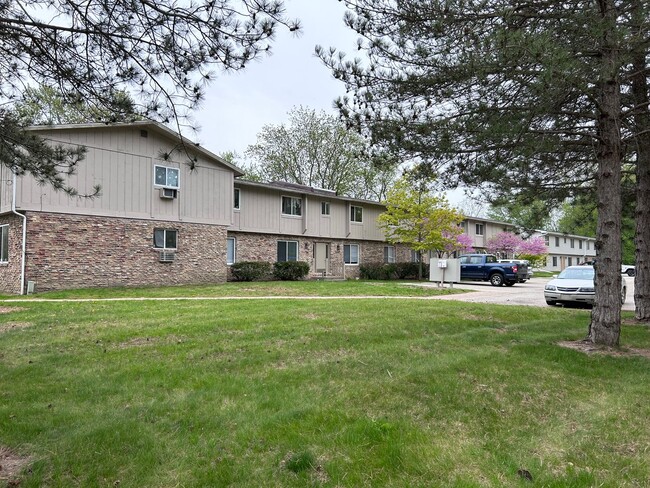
<point>171,212</point>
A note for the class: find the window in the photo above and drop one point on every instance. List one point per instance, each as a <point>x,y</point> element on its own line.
<point>356,214</point>
<point>573,244</point>
<point>291,206</point>
<point>287,251</point>
<point>231,246</point>
<point>389,254</point>
<point>351,253</point>
<point>547,240</point>
<point>164,238</point>
<point>463,225</point>
<point>324,208</point>
<point>479,229</point>
<point>569,261</point>
<point>557,241</point>
<point>415,257</point>
<point>555,260</point>
<point>4,243</point>
<point>588,245</point>
<point>167,177</point>
<point>579,243</point>
<point>236,201</point>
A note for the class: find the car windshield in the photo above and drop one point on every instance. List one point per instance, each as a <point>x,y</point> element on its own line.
<point>577,274</point>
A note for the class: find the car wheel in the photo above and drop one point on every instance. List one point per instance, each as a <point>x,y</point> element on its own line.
<point>551,302</point>
<point>496,279</point>
<point>630,272</point>
<point>511,283</point>
<point>623,293</point>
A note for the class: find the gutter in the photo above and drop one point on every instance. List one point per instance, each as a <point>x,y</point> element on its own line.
<point>24,217</point>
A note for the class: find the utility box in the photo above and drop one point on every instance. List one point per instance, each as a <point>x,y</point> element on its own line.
<point>444,270</point>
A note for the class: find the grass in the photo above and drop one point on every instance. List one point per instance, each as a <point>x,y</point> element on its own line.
<point>258,289</point>
<point>290,393</point>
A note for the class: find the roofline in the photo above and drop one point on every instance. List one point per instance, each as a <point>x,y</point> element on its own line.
<point>333,196</point>
<point>156,126</point>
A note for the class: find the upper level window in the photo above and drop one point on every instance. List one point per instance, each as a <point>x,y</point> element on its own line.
<point>324,208</point>
<point>479,229</point>
<point>291,206</point>
<point>165,176</point>
<point>579,243</point>
<point>573,242</point>
<point>165,238</point>
<point>588,245</point>
<point>236,199</point>
<point>4,243</point>
<point>463,225</point>
<point>557,241</point>
<point>546,240</point>
<point>356,214</point>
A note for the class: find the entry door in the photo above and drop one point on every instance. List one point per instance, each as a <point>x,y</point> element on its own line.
<point>322,251</point>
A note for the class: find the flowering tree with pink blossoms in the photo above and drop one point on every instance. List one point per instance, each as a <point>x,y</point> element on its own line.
<point>533,249</point>
<point>505,243</point>
<point>459,243</point>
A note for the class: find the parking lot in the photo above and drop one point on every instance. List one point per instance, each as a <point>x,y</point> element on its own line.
<point>530,293</point>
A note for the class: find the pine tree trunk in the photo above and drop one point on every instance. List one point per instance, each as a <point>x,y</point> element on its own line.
<point>642,214</point>
<point>605,324</point>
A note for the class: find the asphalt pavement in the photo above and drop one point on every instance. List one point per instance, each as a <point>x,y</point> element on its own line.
<point>530,293</point>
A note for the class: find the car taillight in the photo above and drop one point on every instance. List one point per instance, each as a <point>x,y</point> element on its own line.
<point>514,268</point>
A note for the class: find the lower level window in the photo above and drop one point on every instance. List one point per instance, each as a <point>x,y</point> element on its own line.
<point>287,251</point>
<point>555,261</point>
<point>389,254</point>
<point>4,243</point>
<point>165,238</point>
<point>351,253</point>
<point>231,245</point>
<point>415,256</point>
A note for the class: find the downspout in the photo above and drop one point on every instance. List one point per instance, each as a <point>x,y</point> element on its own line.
<point>24,217</point>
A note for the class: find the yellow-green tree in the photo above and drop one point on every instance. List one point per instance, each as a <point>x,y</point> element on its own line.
<point>417,217</point>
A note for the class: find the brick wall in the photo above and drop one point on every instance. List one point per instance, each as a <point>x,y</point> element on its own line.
<point>10,271</point>
<point>263,247</point>
<point>75,251</point>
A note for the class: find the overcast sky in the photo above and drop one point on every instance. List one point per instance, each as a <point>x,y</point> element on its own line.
<point>238,105</point>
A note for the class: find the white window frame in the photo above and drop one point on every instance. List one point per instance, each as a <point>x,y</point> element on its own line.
<point>350,262</point>
<point>167,169</point>
<point>292,206</point>
<point>165,231</point>
<point>415,256</point>
<point>4,243</point>
<point>236,204</point>
<point>234,250</point>
<point>353,214</point>
<point>286,250</point>
<point>325,208</point>
<point>480,230</point>
<point>389,254</point>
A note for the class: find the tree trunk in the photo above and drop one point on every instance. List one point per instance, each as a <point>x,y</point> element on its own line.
<point>642,214</point>
<point>605,327</point>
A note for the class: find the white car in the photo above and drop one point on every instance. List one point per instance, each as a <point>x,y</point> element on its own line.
<point>575,285</point>
<point>628,269</point>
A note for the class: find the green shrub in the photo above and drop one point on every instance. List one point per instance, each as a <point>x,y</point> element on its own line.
<point>251,271</point>
<point>290,270</point>
<point>392,271</point>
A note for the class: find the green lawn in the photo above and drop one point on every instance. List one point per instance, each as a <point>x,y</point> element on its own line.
<point>257,289</point>
<point>287,393</point>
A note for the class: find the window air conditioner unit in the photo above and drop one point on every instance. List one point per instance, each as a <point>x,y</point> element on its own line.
<point>166,256</point>
<point>168,193</point>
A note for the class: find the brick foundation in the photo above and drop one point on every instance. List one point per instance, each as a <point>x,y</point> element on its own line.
<point>263,247</point>
<point>74,251</point>
<point>10,270</point>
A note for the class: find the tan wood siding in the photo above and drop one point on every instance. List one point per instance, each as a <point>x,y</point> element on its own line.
<point>261,211</point>
<point>122,162</point>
